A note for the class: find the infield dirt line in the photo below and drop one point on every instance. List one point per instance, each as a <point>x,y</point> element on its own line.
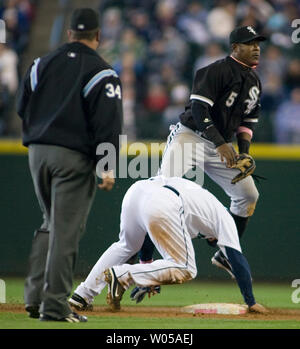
<point>171,312</point>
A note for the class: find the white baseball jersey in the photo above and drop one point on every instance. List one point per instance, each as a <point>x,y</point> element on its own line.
<point>172,211</point>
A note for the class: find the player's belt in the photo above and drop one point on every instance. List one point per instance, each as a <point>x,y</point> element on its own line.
<point>171,188</point>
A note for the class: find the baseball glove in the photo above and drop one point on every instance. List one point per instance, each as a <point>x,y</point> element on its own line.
<point>246,165</point>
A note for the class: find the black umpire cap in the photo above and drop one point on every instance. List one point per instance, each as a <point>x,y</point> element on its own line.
<point>84,19</point>
<point>244,34</point>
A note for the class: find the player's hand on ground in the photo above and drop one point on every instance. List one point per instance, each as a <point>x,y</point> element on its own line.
<point>108,181</point>
<point>227,153</point>
<point>138,293</point>
<point>258,308</point>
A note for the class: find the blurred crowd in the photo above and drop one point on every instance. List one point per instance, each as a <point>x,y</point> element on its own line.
<point>17,16</point>
<point>156,48</point>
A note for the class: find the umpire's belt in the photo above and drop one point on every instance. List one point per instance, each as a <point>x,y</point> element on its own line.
<point>172,188</point>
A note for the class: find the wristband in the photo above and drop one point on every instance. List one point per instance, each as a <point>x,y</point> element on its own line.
<point>243,145</point>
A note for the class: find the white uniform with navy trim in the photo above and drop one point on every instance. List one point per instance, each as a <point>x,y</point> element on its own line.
<point>172,216</point>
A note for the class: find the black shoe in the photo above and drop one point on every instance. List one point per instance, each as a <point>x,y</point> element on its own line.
<point>33,310</point>
<point>80,303</point>
<point>221,261</point>
<point>115,290</point>
<point>73,317</point>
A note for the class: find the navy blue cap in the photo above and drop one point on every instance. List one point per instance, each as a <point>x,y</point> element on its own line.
<point>84,19</point>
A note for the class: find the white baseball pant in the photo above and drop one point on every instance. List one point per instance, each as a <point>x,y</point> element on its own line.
<point>243,194</point>
<point>171,222</point>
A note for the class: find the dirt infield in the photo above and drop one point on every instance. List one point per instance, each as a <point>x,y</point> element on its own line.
<point>172,312</point>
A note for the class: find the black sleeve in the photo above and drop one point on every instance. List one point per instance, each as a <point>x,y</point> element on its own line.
<point>23,94</point>
<point>242,273</point>
<point>106,113</point>
<point>209,82</point>
<point>204,123</point>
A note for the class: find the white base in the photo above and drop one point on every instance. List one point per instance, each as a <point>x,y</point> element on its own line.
<point>216,308</point>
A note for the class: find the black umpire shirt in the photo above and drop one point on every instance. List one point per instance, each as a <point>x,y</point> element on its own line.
<point>228,94</point>
<point>71,98</point>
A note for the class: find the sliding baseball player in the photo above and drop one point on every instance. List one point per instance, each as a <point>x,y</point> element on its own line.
<point>172,211</point>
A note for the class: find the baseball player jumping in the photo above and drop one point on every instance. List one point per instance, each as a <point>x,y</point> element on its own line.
<point>172,211</point>
<point>225,101</point>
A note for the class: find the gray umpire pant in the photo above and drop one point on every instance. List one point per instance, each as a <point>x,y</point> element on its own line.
<point>65,184</point>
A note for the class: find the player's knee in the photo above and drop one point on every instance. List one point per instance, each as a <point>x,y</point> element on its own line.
<point>254,195</point>
<point>251,199</point>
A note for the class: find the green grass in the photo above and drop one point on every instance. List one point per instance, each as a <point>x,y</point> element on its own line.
<point>21,321</point>
<point>270,294</point>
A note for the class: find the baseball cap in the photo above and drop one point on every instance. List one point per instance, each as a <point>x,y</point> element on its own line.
<point>244,34</point>
<point>83,19</point>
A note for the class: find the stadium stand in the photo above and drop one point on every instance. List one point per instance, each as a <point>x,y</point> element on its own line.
<point>156,47</point>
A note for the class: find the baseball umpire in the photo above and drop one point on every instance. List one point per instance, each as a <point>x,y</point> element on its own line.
<point>173,211</point>
<point>70,102</point>
<point>225,101</point>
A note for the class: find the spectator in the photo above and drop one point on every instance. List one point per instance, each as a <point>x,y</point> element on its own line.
<point>140,20</point>
<point>156,100</point>
<point>213,52</point>
<point>176,49</point>
<point>273,93</point>
<point>129,127</point>
<point>131,43</point>
<point>287,119</point>
<point>272,62</point>
<point>154,104</point>
<point>162,40</point>
<point>169,76</point>
<point>259,11</point>
<point>292,77</point>
<point>156,56</point>
<point>111,24</point>
<point>220,20</point>
<point>8,85</point>
<point>16,29</point>
<point>179,97</point>
<point>165,12</point>
<point>192,24</point>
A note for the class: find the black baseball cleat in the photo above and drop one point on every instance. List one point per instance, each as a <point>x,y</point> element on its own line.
<point>221,261</point>
<point>32,310</point>
<point>72,318</point>
<point>115,290</point>
<point>80,303</point>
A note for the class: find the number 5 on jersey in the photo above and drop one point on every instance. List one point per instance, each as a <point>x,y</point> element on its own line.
<point>231,99</point>
<point>112,91</point>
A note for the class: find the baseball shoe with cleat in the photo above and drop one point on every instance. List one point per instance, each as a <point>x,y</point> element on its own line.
<point>258,308</point>
<point>115,290</point>
<point>73,318</point>
<point>80,303</point>
<point>221,261</point>
<point>32,310</point>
